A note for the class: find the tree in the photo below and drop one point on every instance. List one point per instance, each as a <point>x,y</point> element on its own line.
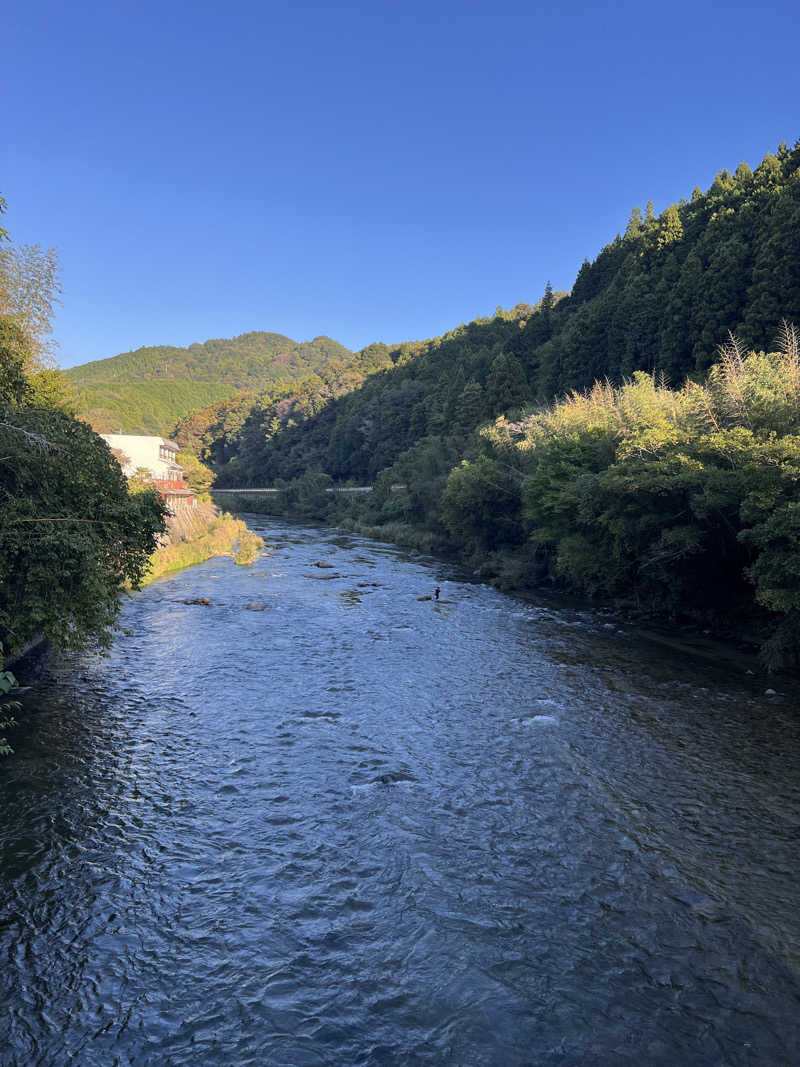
<point>634,227</point>
<point>506,386</point>
<point>3,209</point>
<point>670,227</point>
<point>199,477</point>
<point>14,351</point>
<point>72,536</point>
<point>469,407</point>
<point>29,288</point>
<point>481,504</point>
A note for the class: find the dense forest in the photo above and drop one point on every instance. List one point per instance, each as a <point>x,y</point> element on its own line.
<point>652,310</point>
<point>220,433</point>
<point>151,389</point>
<point>661,297</point>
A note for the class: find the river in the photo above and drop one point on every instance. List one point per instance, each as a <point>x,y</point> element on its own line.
<point>360,828</point>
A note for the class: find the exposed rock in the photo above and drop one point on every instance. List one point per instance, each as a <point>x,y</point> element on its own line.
<point>254,606</point>
<point>391,778</point>
<point>424,598</point>
<point>321,563</point>
<point>198,600</point>
<point>770,693</point>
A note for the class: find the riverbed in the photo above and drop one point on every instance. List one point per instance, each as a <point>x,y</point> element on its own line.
<point>321,821</point>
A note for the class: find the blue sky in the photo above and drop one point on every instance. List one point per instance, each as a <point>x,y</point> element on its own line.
<point>367,170</point>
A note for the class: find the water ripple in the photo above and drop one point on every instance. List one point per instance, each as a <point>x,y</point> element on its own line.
<point>358,828</point>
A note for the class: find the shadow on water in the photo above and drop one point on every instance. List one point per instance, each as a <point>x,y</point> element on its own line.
<point>358,828</point>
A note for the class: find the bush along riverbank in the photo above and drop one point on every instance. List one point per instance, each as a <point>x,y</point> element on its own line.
<point>680,504</point>
<point>199,534</point>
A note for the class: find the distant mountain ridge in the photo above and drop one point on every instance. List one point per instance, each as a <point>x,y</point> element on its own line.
<point>150,389</point>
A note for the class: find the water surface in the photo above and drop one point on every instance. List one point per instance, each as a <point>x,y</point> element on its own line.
<point>359,828</point>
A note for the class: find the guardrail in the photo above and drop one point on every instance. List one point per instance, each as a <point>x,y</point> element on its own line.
<point>332,489</point>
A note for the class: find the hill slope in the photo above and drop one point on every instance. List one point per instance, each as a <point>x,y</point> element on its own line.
<point>150,389</point>
<point>659,298</point>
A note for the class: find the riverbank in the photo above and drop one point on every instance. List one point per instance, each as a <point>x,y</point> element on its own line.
<point>507,573</point>
<point>199,534</point>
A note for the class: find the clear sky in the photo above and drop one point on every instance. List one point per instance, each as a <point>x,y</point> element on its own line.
<point>369,170</point>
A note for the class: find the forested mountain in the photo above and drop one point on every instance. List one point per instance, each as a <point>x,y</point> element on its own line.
<point>661,297</point>
<point>231,433</point>
<point>151,388</point>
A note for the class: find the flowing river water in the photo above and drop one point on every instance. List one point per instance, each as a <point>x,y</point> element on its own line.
<point>359,828</point>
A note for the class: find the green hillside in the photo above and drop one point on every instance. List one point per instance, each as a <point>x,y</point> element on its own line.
<point>151,389</point>
<point>659,298</point>
<point>143,407</point>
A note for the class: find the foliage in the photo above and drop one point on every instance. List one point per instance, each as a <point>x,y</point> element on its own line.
<point>72,536</point>
<point>679,502</point>
<point>7,684</point>
<point>661,298</point>
<point>141,481</point>
<point>150,407</point>
<point>480,504</point>
<point>14,352</point>
<point>199,477</point>
<point>50,388</point>
<point>29,288</point>
<point>232,434</point>
<point>219,537</point>
<point>248,547</point>
<point>242,362</point>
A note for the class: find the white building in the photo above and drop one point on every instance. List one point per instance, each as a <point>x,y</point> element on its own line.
<point>154,454</point>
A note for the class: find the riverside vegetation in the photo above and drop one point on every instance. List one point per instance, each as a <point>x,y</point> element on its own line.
<point>209,535</point>
<point>75,533</point>
<point>679,501</point>
<point>72,536</point>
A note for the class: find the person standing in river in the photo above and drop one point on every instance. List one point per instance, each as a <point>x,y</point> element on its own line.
<point>436,592</point>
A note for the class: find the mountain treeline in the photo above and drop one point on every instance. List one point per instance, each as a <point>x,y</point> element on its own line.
<point>150,389</point>
<point>661,298</point>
